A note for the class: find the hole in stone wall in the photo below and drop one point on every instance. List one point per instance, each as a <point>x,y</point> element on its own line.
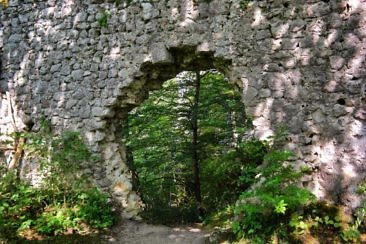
<point>186,146</point>
<point>341,101</point>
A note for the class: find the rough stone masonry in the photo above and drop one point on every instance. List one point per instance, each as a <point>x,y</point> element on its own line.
<point>84,64</point>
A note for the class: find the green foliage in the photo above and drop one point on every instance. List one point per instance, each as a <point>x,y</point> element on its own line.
<point>103,20</point>
<point>324,221</point>
<point>63,202</point>
<point>244,4</point>
<point>362,188</point>
<point>299,225</point>
<point>220,218</point>
<point>94,209</point>
<point>351,235</point>
<point>265,208</point>
<point>159,134</point>
<point>327,221</point>
<point>226,175</point>
<point>54,219</point>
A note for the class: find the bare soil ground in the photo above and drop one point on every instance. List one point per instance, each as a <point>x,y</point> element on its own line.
<point>133,232</point>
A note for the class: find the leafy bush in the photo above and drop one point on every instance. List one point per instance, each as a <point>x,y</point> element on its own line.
<point>94,209</point>
<point>64,201</point>
<point>265,208</point>
<point>352,234</point>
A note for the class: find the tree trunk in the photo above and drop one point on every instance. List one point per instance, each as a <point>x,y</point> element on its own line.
<point>130,160</point>
<point>195,156</point>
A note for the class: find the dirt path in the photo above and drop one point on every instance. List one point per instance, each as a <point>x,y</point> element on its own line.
<point>131,232</point>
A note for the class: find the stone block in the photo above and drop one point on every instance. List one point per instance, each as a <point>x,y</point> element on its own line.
<point>160,54</point>
<point>336,62</point>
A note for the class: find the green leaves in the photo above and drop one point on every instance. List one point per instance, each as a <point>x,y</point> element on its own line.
<point>103,20</point>
<point>280,207</point>
<point>63,201</point>
<point>244,4</point>
<point>160,137</point>
<point>275,195</point>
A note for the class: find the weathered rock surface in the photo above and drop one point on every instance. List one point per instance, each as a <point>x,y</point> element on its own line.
<point>296,63</point>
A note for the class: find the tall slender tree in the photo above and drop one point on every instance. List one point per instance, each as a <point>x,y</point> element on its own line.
<point>195,146</point>
<point>185,141</point>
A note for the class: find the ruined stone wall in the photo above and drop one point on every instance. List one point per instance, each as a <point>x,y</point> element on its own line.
<point>297,63</point>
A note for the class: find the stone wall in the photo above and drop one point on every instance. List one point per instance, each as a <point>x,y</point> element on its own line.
<point>297,63</point>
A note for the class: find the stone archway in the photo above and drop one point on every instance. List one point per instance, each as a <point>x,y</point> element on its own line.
<point>165,64</point>
<point>302,65</point>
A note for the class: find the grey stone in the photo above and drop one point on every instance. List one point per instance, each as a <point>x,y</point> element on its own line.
<point>85,112</point>
<point>15,38</point>
<point>160,54</point>
<point>264,93</point>
<point>70,103</point>
<point>292,65</point>
<point>336,62</point>
<point>318,117</point>
<point>147,9</point>
<point>55,68</point>
<point>65,70</point>
<point>339,110</point>
<point>77,75</point>
<point>97,111</point>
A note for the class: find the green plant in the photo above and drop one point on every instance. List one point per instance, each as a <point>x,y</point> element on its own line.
<point>327,221</point>
<point>266,207</point>
<point>64,201</point>
<point>299,224</point>
<point>351,235</point>
<point>54,219</point>
<point>93,207</point>
<point>221,218</point>
<point>17,203</point>
<point>160,135</point>
<point>362,188</point>
<point>244,4</point>
<point>103,20</point>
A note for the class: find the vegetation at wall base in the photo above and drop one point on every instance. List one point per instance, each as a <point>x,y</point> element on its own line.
<point>64,203</point>
<point>264,209</point>
<point>250,188</point>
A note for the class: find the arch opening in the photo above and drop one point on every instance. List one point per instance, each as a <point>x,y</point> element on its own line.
<point>185,147</point>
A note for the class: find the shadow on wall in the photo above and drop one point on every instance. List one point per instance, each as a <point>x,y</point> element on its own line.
<point>312,73</point>
<point>304,68</point>
<point>34,55</point>
<point>297,64</point>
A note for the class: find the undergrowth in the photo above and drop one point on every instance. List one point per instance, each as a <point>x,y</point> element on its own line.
<point>64,203</point>
<point>265,208</point>
<point>275,209</point>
